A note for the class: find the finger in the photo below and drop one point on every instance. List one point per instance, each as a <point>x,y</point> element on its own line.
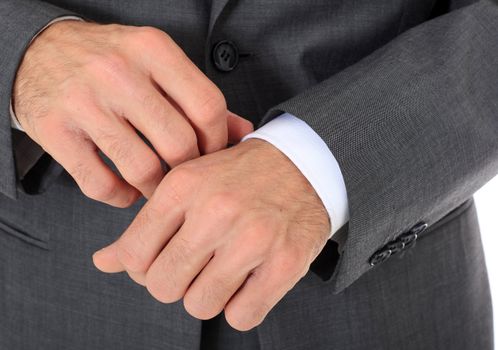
<point>197,96</point>
<point>81,160</point>
<point>162,124</point>
<point>238,127</point>
<point>137,163</point>
<point>176,266</point>
<point>217,282</point>
<point>193,245</point>
<point>106,260</point>
<point>259,294</point>
<point>107,257</point>
<point>148,233</point>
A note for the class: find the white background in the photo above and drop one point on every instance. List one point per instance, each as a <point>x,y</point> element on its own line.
<point>487,209</point>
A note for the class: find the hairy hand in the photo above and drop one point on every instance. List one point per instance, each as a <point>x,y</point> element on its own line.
<point>233,230</point>
<point>84,88</point>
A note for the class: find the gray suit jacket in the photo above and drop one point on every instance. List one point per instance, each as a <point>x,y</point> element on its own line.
<point>405,94</point>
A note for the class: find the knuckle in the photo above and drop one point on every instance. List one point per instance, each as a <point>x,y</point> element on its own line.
<point>128,256</point>
<point>163,286</point>
<point>216,290</point>
<point>263,232</point>
<point>232,317</point>
<point>103,193</point>
<point>148,37</point>
<point>195,309</point>
<point>52,133</point>
<point>163,278</point>
<point>116,148</point>
<point>157,109</point>
<point>152,33</point>
<point>126,202</point>
<point>179,254</point>
<point>224,205</point>
<point>257,314</point>
<point>155,288</point>
<point>149,170</point>
<point>243,320</point>
<point>173,190</point>
<point>200,307</point>
<point>82,175</point>
<point>103,189</point>
<point>185,149</point>
<point>213,108</point>
<point>111,64</point>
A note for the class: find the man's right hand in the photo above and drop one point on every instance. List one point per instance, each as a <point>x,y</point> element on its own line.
<point>85,87</point>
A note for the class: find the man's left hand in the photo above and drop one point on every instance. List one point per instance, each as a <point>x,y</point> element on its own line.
<point>234,230</point>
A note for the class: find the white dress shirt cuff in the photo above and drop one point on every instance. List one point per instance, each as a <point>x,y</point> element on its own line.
<point>14,122</point>
<point>302,145</point>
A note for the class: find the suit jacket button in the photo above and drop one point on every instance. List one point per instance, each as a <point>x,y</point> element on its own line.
<point>396,246</point>
<point>225,56</point>
<point>411,236</point>
<point>380,256</point>
<point>408,239</point>
<point>419,228</point>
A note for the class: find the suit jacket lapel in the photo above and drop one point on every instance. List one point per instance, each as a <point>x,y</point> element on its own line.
<point>217,7</point>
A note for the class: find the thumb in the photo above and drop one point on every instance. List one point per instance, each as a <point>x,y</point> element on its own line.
<point>106,260</point>
<point>238,127</point>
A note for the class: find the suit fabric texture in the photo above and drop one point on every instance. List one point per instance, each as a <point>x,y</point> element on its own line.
<point>404,93</point>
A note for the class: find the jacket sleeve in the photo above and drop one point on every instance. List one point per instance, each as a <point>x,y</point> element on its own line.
<point>413,126</point>
<point>20,21</point>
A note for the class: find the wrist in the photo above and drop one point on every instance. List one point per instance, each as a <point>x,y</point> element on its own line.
<point>298,196</point>
<point>32,50</point>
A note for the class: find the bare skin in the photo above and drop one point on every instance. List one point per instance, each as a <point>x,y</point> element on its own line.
<point>234,230</point>
<point>227,229</point>
<point>84,87</point>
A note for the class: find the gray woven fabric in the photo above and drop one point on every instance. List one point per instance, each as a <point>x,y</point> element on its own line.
<point>414,127</point>
<point>404,92</point>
